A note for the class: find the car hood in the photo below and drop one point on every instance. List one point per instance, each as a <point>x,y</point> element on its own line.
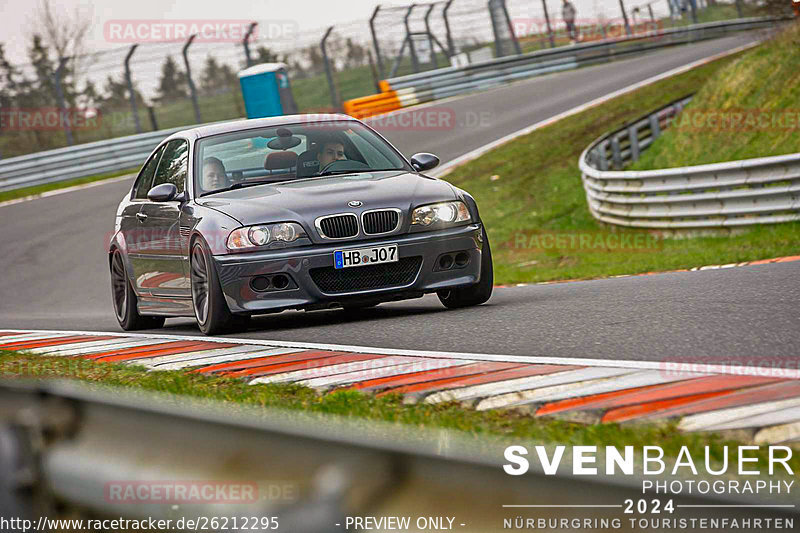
<point>305,200</point>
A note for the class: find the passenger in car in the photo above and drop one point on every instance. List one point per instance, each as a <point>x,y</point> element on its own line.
<point>214,175</point>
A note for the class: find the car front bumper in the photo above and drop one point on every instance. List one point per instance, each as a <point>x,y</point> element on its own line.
<point>237,271</point>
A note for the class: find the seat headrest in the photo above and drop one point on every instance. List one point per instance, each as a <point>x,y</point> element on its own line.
<point>280,160</point>
<point>307,164</point>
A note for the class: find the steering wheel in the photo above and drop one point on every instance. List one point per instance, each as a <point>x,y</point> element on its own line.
<point>344,164</point>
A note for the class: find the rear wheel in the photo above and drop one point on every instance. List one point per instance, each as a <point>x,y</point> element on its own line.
<point>210,309</point>
<point>125,300</point>
<point>473,294</point>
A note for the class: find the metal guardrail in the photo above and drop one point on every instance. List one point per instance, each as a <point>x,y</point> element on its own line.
<point>88,159</point>
<point>72,444</point>
<point>445,82</point>
<point>738,193</point>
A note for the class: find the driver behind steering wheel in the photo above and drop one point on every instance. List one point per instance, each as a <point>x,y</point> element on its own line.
<point>331,150</point>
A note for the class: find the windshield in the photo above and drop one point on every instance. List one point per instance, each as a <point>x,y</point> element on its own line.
<point>290,152</point>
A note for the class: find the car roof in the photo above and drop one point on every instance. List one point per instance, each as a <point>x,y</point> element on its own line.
<point>268,122</point>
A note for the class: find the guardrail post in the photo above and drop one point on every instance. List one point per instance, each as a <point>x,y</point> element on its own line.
<point>549,27</point>
<point>652,16</point>
<point>192,88</point>
<point>739,12</point>
<point>616,153</point>
<point>655,127</point>
<point>450,46</point>
<point>329,69</point>
<point>414,59</point>
<point>625,18</point>
<point>246,43</point>
<point>633,136</point>
<point>62,108</point>
<point>131,93</point>
<point>377,48</point>
<point>434,63</point>
<point>603,156</point>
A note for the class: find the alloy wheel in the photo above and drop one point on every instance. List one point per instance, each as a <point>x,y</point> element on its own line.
<point>119,285</point>
<point>199,277</point>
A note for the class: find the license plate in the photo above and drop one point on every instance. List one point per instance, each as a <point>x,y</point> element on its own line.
<point>355,257</point>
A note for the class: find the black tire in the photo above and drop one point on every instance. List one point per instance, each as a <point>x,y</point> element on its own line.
<point>125,301</point>
<point>210,309</point>
<point>473,294</point>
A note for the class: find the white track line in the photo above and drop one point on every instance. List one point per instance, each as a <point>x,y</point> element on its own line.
<point>474,154</point>
<point>664,366</point>
<point>56,192</point>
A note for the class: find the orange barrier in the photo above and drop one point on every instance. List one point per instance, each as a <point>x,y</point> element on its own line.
<point>374,104</point>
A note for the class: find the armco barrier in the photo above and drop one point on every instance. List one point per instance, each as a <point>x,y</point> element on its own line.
<point>82,160</point>
<point>450,81</point>
<point>738,193</point>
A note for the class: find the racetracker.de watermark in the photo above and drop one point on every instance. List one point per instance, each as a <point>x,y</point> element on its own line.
<point>49,118</point>
<point>587,29</point>
<point>206,30</point>
<point>432,118</point>
<point>199,491</point>
<point>737,120</point>
<point>776,367</point>
<point>584,241</point>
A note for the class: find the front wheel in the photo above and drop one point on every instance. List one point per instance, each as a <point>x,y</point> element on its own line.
<point>208,302</point>
<point>473,294</point>
<point>125,301</point>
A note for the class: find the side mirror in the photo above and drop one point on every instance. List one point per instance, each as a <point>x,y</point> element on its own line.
<point>166,192</point>
<point>424,161</point>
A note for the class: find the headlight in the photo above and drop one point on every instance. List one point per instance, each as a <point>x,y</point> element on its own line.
<point>443,214</point>
<point>264,234</point>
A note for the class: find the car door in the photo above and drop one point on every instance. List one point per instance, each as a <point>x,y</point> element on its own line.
<point>164,271</point>
<point>131,221</point>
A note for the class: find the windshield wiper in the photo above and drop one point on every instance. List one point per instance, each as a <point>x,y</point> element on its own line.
<point>240,185</point>
<point>360,171</point>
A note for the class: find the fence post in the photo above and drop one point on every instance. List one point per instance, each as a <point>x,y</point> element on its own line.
<point>633,136</point>
<point>693,4</point>
<point>414,60</point>
<point>132,94</point>
<point>549,27</point>
<point>655,127</point>
<point>377,48</point>
<point>192,88</point>
<point>328,69</point>
<point>514,40</point>
<point>434,63</point>
<point>652,16</point>
<point>152,113</point>
<point>625,17</point>
<point>450,46</point>
<point>739,9</point>
<point>246,43</point>
<point>62,63</point>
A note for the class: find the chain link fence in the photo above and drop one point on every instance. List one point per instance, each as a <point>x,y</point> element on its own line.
<point>146,84</point>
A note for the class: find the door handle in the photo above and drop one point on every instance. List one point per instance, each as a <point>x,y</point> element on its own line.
<point>141,216</point>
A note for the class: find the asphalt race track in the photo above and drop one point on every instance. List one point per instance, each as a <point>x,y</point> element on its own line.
<point>52,256</point>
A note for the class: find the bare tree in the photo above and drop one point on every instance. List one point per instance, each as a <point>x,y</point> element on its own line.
<point>62,31</point>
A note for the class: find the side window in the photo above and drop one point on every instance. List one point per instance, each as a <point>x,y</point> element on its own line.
<point>174,165</point>
<point>145,179</point>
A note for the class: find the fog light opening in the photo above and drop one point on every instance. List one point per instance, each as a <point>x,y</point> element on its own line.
<point>260,283</point>
<point>462,259</point>
<point>280,281</point>
<point>446,262</point>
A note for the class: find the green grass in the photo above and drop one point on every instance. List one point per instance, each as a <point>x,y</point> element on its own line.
<point>532,187</point>
<point>364,406</point>
<point>39,189</point>
<point>766,79</point>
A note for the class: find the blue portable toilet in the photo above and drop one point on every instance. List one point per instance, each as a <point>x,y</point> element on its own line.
<point>266,90</point>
